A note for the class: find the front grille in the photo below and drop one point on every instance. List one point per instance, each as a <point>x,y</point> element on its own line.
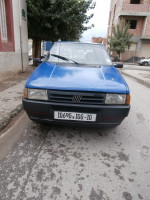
<point>75,97</point>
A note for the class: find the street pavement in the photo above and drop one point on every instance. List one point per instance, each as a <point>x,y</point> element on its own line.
<point>75,163</point>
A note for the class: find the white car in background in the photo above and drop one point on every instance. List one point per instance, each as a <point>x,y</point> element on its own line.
<point>145,61</point>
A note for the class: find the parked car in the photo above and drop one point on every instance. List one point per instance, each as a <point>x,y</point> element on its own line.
<point>133,59</point>
<point>145,61</point>
<point>115,58</point>
<point>77,84</point>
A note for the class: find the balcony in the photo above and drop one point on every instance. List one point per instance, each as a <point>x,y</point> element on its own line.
<point>145,37</point>
<point>135,10</point>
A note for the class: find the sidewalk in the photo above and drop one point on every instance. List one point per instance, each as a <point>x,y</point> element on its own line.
<point>11,90</point>
<point>141,74</point>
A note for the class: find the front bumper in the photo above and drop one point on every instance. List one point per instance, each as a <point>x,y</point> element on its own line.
<point>106,114</point>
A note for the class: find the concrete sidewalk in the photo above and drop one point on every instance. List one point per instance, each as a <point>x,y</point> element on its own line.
<point>140,73</point>
<point>11,90</point>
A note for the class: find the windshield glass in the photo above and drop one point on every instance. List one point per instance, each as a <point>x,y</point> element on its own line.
<point>88,54</point>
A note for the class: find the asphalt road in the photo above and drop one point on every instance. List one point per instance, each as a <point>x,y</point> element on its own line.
<point>74,163</point>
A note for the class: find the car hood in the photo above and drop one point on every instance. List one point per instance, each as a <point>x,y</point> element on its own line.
<point>78,78</point>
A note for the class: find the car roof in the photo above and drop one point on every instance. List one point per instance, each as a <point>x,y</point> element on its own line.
<point>78,42</point>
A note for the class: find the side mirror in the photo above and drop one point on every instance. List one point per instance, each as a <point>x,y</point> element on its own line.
<point>118,65</point>
<point>37,61</point>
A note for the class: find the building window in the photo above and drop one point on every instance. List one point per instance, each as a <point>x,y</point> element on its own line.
<point>135,2</point>
<point>3,23</point>
<point>132,23</point>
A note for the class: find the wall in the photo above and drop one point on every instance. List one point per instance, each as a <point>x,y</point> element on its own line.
<point>10,61</point>
<point>142,7</point>
<point>115,9</point>
<point>139,27</point>
<point>147,30</point>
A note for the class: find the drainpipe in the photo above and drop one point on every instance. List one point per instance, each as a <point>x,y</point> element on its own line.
<point>20,29</point>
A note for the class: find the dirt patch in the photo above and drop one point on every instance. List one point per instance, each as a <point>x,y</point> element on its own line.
<point>140,196</point>
<point>123,157</point>
<point>127,196</point>
<point>118,173</point>
<point>106,155</point>
<point>100,195</point>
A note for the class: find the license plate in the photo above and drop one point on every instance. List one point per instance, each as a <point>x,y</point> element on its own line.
<point>75,116</point>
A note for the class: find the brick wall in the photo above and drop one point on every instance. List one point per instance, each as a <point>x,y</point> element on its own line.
<point>146,1</point>
<point>112,2</point>
<point>147,31</point>
<point>139,27</point>
<point>142,7</point>
<point>115,10</point>
<point>135,8</point>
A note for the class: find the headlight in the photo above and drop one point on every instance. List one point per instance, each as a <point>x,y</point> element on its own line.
<point>115,99</point>
<point>37,94</point>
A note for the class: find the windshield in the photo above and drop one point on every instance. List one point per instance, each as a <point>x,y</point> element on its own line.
<point>88,54</point>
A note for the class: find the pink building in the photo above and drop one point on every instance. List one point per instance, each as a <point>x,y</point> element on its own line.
<point>137,13</point>
<point>13,37</point>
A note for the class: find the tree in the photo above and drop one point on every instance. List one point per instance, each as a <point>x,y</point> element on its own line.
<point>51,20</point>
<point>120,39</point>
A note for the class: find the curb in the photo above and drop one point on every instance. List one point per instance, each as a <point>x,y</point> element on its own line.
<point>7,119</point>
<point>126,63</point>
<point>137,79</point>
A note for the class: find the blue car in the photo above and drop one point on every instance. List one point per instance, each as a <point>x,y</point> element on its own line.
<point>77,84</point>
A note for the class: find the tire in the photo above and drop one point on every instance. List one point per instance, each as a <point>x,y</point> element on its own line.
<point>145,63</point>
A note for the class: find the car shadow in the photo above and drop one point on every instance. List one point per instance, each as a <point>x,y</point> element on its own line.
<point>73,134</point>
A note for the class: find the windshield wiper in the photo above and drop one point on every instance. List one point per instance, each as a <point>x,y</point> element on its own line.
<point>64,58</point>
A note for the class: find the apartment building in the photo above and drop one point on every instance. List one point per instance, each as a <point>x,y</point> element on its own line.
<point>13,37</point>
<point>137,14</point>
<point>99,40</point>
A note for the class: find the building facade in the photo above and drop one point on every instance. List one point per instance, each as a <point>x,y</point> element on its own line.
<point>99,40</point>
<point>13,37</point>
<point>137,14</point>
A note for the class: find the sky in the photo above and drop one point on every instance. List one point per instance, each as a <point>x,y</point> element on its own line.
<point>100,21</point>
